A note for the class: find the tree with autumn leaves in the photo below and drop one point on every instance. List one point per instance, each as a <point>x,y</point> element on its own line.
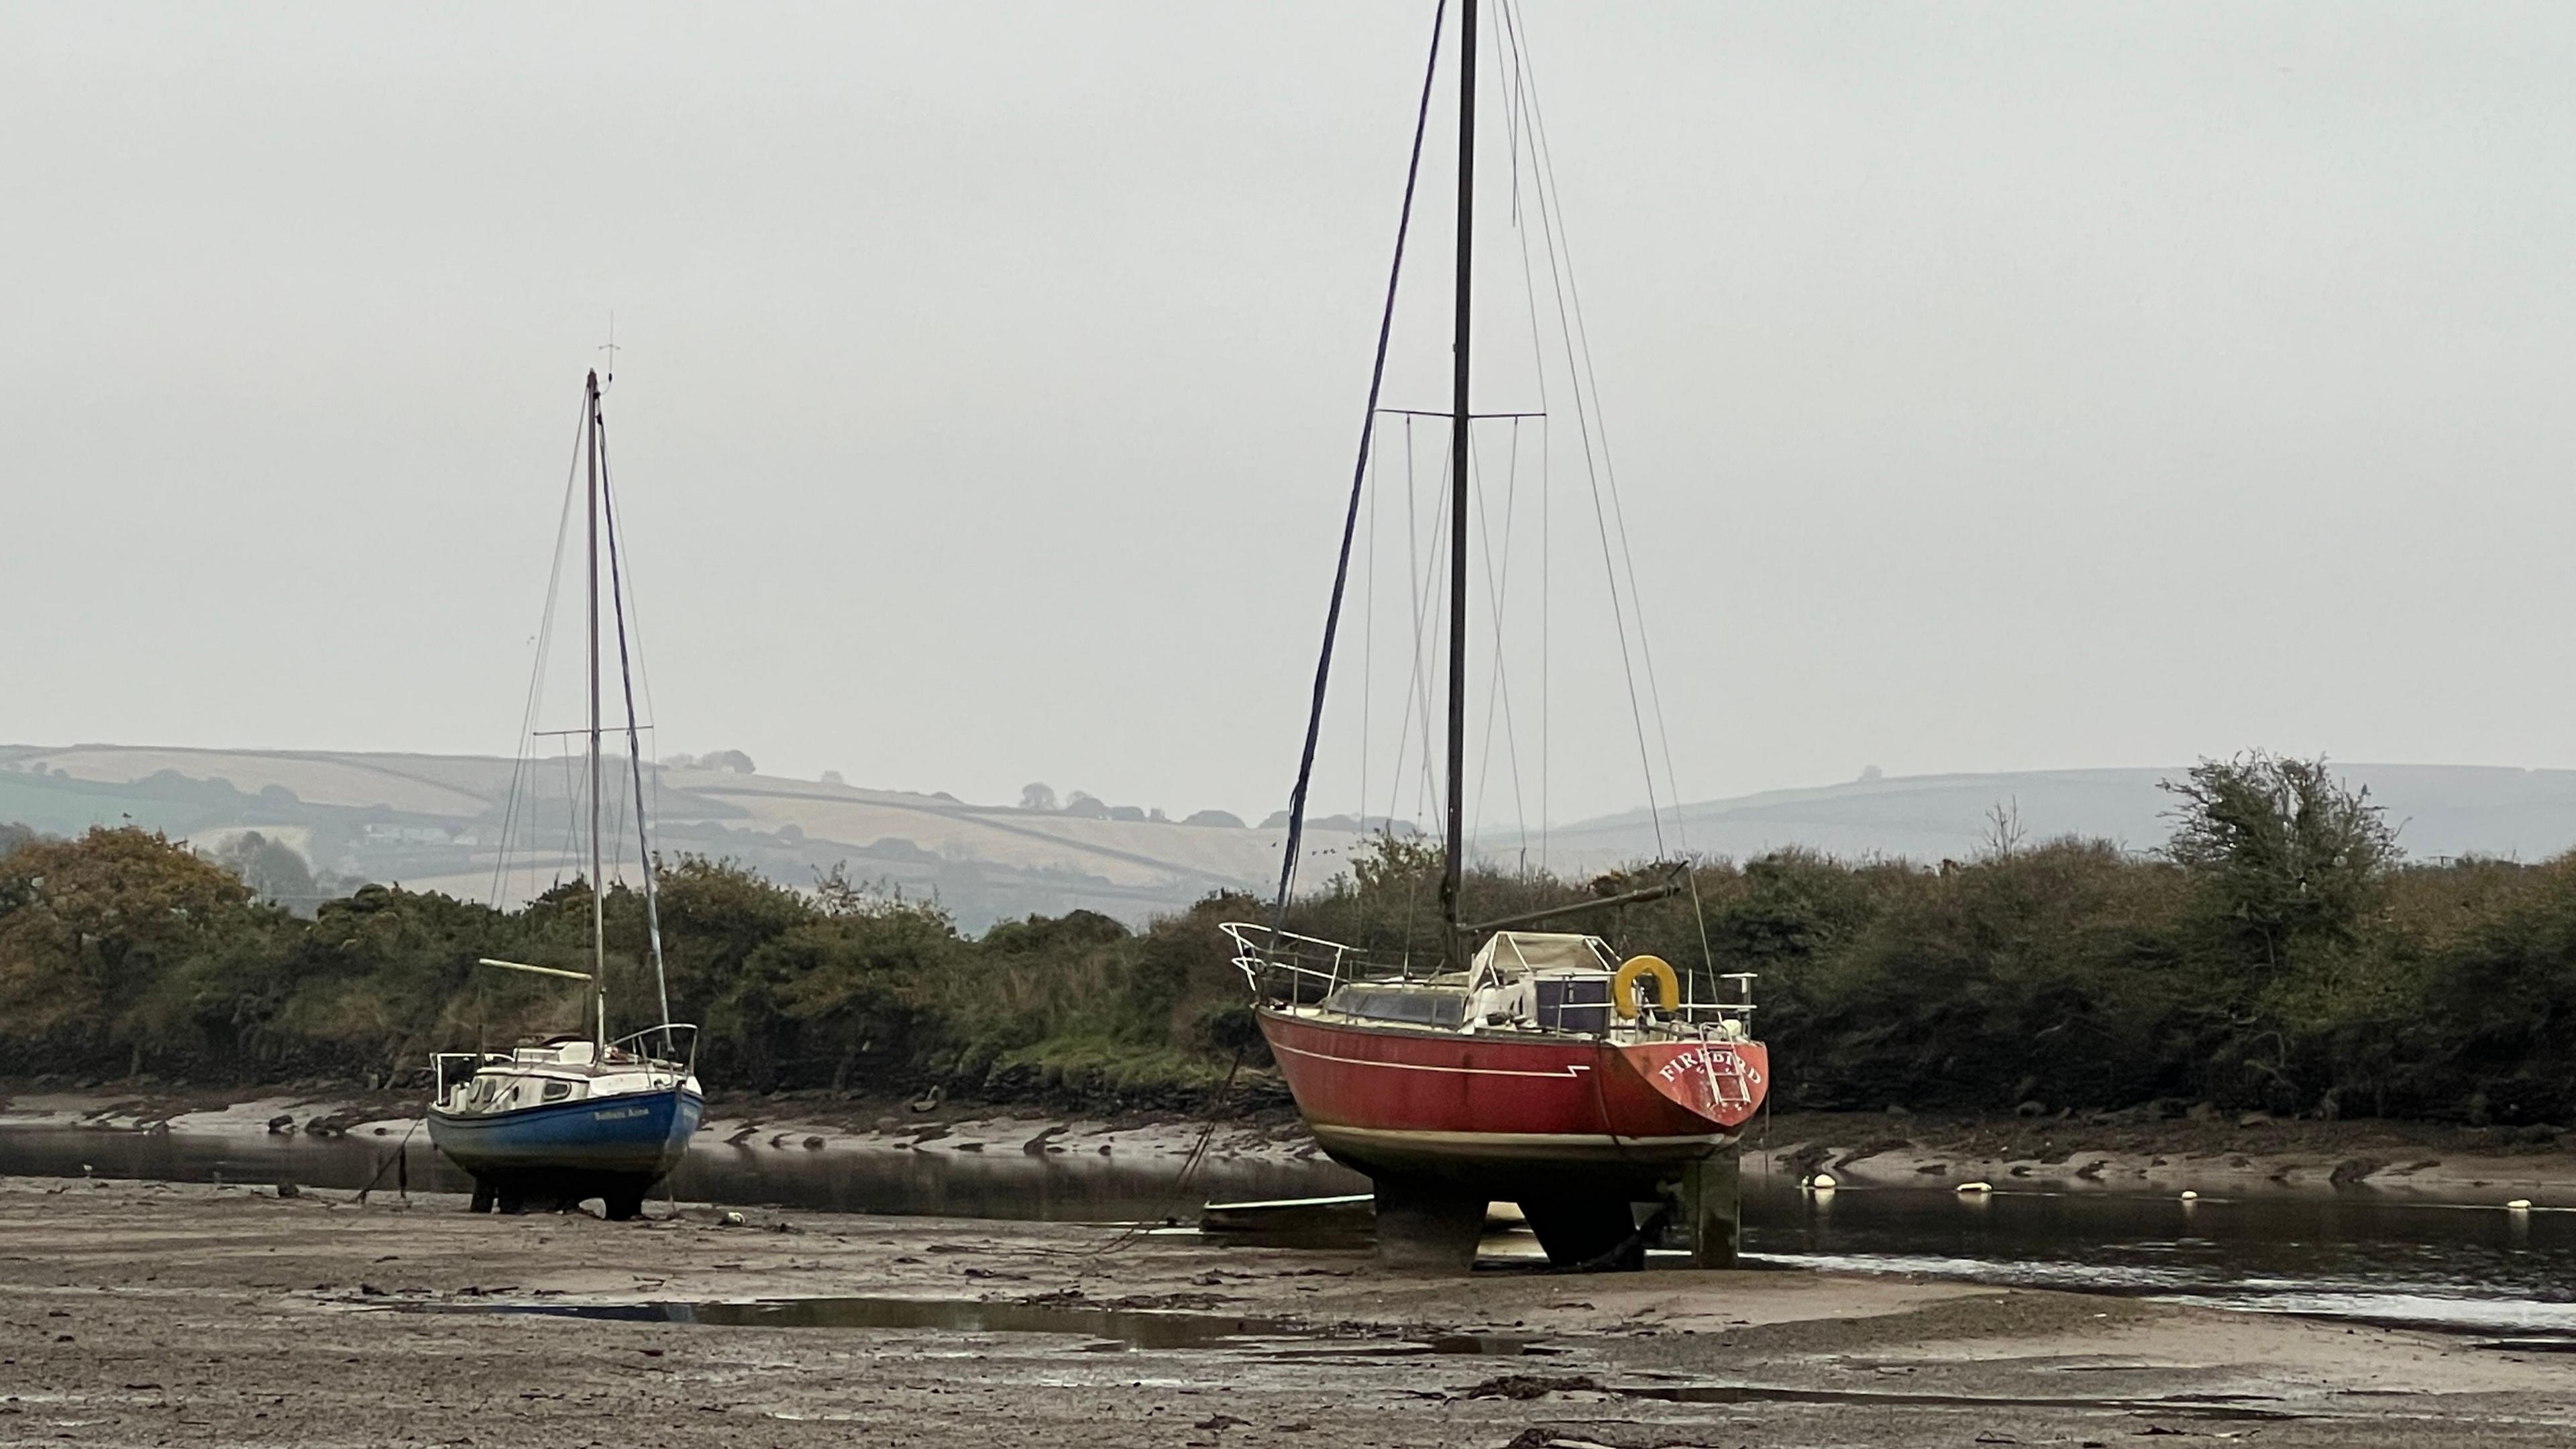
<point>92,930</point>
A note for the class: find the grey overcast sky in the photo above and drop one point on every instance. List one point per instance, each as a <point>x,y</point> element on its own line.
<point>1991,386</point>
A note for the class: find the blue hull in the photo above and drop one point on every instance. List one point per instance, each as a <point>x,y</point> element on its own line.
<point>635,1136</point>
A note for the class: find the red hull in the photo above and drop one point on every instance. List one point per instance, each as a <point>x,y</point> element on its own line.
<point>1511,1115</point>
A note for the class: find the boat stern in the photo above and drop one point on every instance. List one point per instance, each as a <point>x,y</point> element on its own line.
<point>1721,1081</point>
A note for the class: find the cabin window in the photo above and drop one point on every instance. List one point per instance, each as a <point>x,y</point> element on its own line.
<point>1575,1003</point>
<point>1415,1006</point>
<point>558,1091</point>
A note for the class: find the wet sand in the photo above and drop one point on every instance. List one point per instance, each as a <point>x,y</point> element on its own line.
<point>138,1313</point>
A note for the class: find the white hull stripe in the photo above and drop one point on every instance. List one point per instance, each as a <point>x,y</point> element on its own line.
<point>1571,1071</point>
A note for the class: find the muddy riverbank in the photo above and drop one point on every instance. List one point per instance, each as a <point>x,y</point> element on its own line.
<point>158,1312</point>
<point>2132,1151</point>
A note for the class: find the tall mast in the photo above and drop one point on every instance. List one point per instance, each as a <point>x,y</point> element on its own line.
<point>1454,867</point>
<point>598,885</point>
<point>634,731</point>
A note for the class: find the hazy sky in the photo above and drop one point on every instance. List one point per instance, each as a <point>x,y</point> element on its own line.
<point>1990,386</point>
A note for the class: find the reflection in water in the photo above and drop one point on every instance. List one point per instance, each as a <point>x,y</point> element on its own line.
<point>1110,1328</point>
<point>2353,1254</point>
<point>349,1162</point>
<point>2358,1254</point>
<point>999,1183</point>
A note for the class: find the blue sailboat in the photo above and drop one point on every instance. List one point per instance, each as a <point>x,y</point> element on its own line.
<point>557,1121</point>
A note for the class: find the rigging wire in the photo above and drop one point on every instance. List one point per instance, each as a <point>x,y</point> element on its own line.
<point>576,793</point>
<point>1515,89</point>
<point>1551,223</point>
<point>615,867</point>
<point>1368,631</point>
<point>521,756</point>
<point>1420,582</point>
<point>1359,474</point>
<point>1497,586</point>
<point>1427,636</point>
<point>1430,637</point>
<point>1413,600</point>
<point>1579,340</point>
<point>634,739</point>
<point>1511,112</point>
<point>630,602</point>
<point>1525,127</point>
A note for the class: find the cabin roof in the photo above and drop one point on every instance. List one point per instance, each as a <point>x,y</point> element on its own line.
<point>1525,953</point>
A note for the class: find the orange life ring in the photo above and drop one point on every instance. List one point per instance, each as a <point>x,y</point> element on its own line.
<point>1623,986</point>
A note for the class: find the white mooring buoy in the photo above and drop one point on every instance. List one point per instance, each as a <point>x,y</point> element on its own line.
<point>1973,1189</point>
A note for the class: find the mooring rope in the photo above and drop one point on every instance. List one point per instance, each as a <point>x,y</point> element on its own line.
<point>1190,1165</point>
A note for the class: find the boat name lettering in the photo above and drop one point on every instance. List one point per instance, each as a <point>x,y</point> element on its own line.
<point>1720,1059</point>
<point>620,1114</point>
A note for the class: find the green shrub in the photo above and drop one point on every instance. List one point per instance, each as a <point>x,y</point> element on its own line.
<point>2278,955</point>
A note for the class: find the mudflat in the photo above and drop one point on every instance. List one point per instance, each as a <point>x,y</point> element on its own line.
<point>135,1313</point>
<point>2128,1151</point>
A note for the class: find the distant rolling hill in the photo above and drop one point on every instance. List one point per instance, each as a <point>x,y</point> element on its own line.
<point>2440,810</point>
<point>439,821</point>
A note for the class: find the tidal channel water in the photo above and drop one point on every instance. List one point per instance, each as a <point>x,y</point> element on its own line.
<point>2354,1254</point>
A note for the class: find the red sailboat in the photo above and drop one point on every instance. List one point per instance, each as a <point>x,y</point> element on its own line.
<point>1548,1074</point>
<point>1498,1103</point>
<point>1532,1067</point>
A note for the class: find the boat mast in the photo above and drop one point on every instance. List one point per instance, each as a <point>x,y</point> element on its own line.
<point>1455,862</point>
<point>634,730</point>
<point>598,886</point>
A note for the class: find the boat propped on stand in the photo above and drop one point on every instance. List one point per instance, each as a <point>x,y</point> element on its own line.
<point>1600,1093</point>
<point>570,1117</point>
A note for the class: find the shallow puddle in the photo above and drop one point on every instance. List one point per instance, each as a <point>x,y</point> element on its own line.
<point>1111,1329</point>
<point>2206,1406</point>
